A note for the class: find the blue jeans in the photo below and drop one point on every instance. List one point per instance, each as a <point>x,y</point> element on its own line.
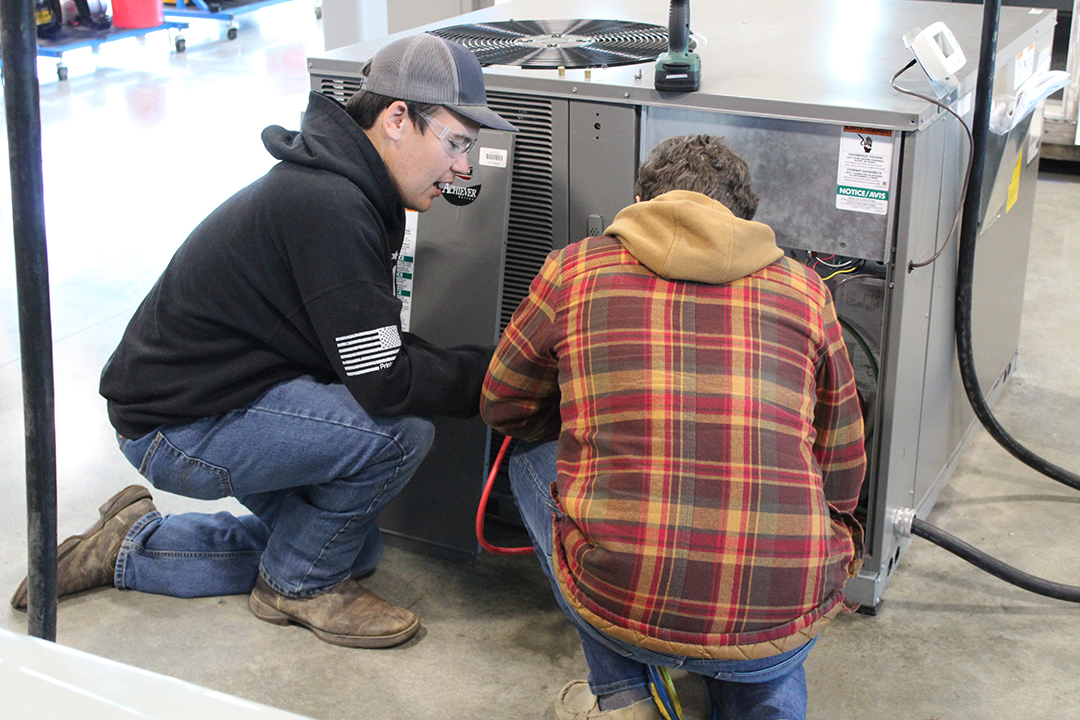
<point>314,469</point>
<point>771,688</point>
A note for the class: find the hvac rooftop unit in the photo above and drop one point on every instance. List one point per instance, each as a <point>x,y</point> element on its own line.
<point>850,174</point>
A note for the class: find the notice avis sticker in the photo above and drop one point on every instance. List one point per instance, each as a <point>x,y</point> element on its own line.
<point>865,169</point>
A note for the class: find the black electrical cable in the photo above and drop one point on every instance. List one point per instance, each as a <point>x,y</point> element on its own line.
<point>971,198</point>
<point>992,565</point>
<point>965,271</point>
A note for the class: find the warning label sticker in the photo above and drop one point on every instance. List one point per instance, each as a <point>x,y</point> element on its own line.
<point>865,167</point>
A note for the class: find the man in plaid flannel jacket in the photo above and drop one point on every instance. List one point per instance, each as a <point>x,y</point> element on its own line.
<point>693,444</point>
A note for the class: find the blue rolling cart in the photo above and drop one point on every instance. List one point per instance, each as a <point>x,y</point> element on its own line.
<point>76,37</point>
<point>223,10</point>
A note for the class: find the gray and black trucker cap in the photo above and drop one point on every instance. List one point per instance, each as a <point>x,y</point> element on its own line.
<point>429,69</point>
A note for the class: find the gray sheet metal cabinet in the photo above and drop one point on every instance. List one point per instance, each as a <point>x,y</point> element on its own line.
<point>800,90</point>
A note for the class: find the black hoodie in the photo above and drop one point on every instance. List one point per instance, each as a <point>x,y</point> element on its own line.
<point>293,275</point>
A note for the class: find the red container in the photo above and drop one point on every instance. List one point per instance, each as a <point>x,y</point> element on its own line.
<point>137,13</point>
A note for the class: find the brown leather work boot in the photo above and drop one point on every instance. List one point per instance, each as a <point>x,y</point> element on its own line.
<point>576,702</point>
<point>89,560</point>
<point>347,614</point>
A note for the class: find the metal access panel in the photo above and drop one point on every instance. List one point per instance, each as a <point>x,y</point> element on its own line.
<point>789,159</point>
<point>450,282</point>
<point>791,84</point>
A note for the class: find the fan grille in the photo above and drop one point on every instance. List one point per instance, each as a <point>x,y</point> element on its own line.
<point>549,44</point>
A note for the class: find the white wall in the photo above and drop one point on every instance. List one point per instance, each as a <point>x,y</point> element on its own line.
<point>346,22</point>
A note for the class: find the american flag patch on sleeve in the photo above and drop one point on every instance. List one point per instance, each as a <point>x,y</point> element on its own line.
<point>369,351</point>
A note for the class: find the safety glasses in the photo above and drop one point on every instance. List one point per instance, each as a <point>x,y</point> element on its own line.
<point>455,143</point>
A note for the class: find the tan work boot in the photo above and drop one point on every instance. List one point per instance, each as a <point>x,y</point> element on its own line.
<point>89,560</point>
<point>347,614</point>
<point>577,702</point>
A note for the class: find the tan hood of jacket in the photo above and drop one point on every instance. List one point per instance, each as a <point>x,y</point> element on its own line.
<point>683,235</point>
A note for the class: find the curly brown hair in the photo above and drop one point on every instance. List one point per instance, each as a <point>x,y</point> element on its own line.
<point>701,163</point>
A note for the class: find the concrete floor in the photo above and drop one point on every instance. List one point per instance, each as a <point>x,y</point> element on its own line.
<point>140,143</point>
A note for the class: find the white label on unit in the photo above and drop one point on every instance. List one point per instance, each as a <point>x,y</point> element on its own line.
<point>964,106</point>
<point>403,273</point>
<point>865,168</point>
<point>1043,66</point>
<point>1024,67</point>
<point>1035,132</point>
<point>493,157</point>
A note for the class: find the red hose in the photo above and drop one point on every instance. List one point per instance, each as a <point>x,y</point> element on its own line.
<point>483,508</point>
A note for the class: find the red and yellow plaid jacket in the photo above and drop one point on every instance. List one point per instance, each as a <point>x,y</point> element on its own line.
<point>710,441</point>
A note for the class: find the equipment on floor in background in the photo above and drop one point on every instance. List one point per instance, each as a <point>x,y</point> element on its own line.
<point>220,10</point>
<point>772,90</point>
<point>67,25</point>
<point>90,14</point>
<point>49,17</point>
<point>134,14</point>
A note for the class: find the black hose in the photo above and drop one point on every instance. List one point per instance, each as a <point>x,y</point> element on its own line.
<point>992,565</point>
<point>18,38</point>
<point>965,271</point>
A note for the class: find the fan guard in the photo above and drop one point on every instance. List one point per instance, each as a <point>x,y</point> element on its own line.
<point>549,44</point>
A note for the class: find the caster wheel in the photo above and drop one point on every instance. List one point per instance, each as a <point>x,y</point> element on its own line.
<point>318,13</point>
<point>232,33</point>
<point>62,73</point>
<point>181,45</point>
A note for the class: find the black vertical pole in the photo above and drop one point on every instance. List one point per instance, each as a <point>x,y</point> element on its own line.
<point>18,38</point>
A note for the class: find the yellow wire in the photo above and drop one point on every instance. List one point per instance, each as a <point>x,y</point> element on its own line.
<point>669,687</point>
<point>839,272</point>
<point>660,704</point>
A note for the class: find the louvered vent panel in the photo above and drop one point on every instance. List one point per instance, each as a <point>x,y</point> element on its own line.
<point>531,231</point>
<point>341,89</point>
